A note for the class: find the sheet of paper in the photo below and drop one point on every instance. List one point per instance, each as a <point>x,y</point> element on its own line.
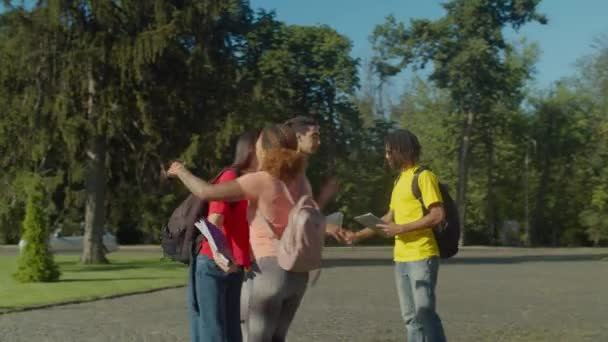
<point>369,220</point>
<point>336,219</point>
<point>215,237</point>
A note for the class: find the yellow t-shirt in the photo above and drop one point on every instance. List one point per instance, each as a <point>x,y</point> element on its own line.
<point>419,244</point>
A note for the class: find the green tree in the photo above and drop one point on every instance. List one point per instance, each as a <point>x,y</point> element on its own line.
<point>469,55</point>
<point>103,94</point>
<point>28,135</point>
<point>563,131</point>
<point>594,217</point>
<point>305,70</point>
<point>371,99</point>
<point>119,88</point>
<point>592,83</point>
<point>427,111</point>
<point>36,263</point>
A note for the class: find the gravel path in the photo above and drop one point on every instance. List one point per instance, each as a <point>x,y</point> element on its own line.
<point>484,294</point>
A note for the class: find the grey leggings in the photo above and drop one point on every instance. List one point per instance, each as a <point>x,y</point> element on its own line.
<point>274,298</point>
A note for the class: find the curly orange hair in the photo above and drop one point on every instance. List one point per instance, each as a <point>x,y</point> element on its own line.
<point>281,158</point>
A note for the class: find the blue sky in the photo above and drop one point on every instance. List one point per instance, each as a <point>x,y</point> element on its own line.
<point>573,25</point>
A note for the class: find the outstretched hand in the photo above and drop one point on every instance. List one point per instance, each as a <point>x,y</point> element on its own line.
<point>175,168</point>
<point>351,237</point>
<point>341,235</point>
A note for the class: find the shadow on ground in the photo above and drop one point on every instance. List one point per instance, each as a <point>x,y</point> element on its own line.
<point>472,260</point>
<point>70,266</point>
<point>111,279</point>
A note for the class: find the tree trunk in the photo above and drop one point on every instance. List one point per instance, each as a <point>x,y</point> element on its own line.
<point>545,158</point>
<point>539,211</point>
<point>93,249</point>
<point>491,196</point>
<point>560,202</point>
<point>527,226</point>
<point>463,173</point>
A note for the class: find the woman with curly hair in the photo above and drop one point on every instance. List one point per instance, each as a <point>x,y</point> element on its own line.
<point>275,293</point>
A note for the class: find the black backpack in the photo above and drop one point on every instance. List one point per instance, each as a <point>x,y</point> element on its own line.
<point>180,239</point>
<point>447,234</point>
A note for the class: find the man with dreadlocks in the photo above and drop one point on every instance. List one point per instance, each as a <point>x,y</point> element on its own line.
<point>416,254</point>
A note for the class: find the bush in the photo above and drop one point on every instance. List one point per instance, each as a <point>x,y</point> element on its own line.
<point>36,262</point>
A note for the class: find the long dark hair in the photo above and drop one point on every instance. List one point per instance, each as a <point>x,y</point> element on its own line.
<point>403,147</point>
<point>245,150</point>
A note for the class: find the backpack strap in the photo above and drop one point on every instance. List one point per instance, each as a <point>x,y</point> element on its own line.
<point>289,197</point>
<point>287,193</point>
<point>416,187</point>
<point>267,222</point>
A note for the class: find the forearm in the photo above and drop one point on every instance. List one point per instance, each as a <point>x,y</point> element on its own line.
<point>197,186</point>
<point>430,220</point>
<point>388,217</point>
<point>364,233</point>
<point>331,228</point>
<point>367,233</point>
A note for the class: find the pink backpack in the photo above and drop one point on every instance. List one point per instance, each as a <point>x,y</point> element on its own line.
<point>301,244</point>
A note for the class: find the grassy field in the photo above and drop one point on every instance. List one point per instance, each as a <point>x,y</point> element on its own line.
<point>126,273</point>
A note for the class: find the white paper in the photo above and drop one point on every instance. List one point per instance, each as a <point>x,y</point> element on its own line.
<point>369,220</point>
<point>336,219</point>
<point>215,237</point>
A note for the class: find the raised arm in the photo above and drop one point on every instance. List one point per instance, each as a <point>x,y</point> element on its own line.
<point>227,191</point>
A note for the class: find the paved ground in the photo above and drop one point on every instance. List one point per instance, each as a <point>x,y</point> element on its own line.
<point>484,295</point>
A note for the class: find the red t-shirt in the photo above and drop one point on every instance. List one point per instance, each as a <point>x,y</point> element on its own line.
<point>236,227</point>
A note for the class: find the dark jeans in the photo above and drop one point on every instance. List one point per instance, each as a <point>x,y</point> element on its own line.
<point>218,296</point>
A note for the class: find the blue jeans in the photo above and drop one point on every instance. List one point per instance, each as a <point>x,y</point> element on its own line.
<point>416,281</point>
<point>218,296</point>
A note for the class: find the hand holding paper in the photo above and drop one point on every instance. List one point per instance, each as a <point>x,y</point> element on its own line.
<point>334,227</point>
<point>219,246</point>
<point>370,221</point>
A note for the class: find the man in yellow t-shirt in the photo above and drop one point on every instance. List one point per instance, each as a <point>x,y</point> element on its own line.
<point>416,254</point>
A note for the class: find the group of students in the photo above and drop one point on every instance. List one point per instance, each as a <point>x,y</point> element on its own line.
<point>250,196</point>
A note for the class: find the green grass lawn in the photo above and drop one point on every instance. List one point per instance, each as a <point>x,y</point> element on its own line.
<point>126,273</point>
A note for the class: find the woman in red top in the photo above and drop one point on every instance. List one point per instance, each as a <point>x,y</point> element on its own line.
<point>217,285</point>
